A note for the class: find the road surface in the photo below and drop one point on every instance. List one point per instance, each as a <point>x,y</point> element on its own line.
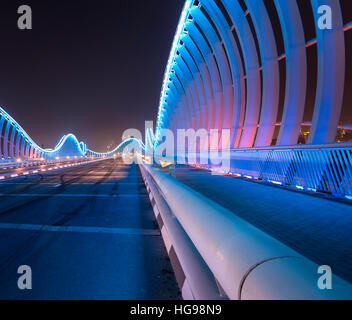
<point>87,232</point>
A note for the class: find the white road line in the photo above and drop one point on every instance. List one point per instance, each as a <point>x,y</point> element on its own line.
<point>76,183</point>
<point>78,229</point>
<point>68,195</point>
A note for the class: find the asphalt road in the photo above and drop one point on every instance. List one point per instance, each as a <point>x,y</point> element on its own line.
<point>87,232</point>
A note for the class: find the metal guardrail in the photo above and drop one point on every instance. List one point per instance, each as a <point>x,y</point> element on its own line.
<point>324,169</point>
<point>318,168</point>
<point>246,262</point>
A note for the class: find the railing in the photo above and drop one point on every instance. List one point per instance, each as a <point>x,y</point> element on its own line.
<point>324,169</point>
<point>246,262</point>
<point>318,168</point>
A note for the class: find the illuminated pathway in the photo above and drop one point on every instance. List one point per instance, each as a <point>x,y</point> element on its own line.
<point>86,232</point>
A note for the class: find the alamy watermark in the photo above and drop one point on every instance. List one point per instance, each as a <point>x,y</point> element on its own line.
<point>325,280</point>
<point>24,282</point>
<point>325,19</point>
<point>24,22</point>
<point>182,146</point>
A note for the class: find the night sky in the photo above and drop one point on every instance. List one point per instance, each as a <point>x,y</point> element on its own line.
<point>93,68</point>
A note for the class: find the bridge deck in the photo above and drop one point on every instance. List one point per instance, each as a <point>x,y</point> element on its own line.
<point>319,229</point>
<point>87,233</point>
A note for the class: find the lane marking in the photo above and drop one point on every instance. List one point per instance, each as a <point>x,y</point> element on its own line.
<point>120,183</point>
<point>70,195</point>
<point>80,229</point>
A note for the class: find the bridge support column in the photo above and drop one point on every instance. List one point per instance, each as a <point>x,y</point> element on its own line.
<point>331,76</point>
<point>2,121</point>
<point>271,76</point>
<point>6,140</point>
<point>296,71</point>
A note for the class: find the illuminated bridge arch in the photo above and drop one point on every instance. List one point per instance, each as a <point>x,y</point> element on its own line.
<point>135,144</point>
<point>244,65</point>
<point>15,143</point>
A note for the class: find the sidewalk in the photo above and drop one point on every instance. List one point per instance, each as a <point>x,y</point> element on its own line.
<point>319,229</point>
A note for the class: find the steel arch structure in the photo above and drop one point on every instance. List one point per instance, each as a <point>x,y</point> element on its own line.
<point>223,72</point>
<point>135,144</point>
<point>15,143</point>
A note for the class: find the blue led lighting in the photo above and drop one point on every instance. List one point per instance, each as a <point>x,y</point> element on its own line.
<point>170,63</point>
<point>68,144</point>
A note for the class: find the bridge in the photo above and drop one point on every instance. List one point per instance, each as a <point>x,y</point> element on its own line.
<point>250,205</point>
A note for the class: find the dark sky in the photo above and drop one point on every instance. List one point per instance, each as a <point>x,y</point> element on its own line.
<point>93,68</point>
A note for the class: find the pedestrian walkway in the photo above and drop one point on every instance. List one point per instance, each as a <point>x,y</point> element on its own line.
<point>318,228</point>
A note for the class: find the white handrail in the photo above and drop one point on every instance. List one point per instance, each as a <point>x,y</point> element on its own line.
<point>248,263</point>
